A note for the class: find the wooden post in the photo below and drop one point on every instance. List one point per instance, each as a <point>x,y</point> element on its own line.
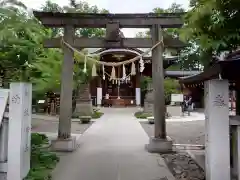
<point>64,129</point>
<point>158,84</point>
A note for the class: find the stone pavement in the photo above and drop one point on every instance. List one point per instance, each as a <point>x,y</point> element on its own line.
<point>182,130</point>
<point>113,149</point>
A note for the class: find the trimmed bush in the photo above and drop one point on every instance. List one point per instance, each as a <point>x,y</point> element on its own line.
<point>42,160</point>
<point>142,115</point>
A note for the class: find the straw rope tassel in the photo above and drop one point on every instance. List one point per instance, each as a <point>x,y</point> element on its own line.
<point>124,72</point>
<point>113,63</point>
<point>103,70</point>
<point>85,64</point>
<point>133,69</point>
<point>113,74</point>
<point>141,62</point>
<point>94,71</point>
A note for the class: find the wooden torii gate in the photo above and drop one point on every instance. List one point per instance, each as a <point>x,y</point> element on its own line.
<point>112,23</point>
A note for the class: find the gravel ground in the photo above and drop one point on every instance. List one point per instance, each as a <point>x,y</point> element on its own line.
<point>52,126</point>
<point>188,132</point>
<point>183,167</point>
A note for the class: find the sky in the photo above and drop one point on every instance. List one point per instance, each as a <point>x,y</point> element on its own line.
<point>118,6</point>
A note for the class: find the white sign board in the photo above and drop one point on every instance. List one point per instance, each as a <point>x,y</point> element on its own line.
<point>4,93</point>
<point>19,142</point>
<point>176,97</point>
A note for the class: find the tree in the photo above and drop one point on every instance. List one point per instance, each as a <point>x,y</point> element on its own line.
<point>12,4</point>
<point>174,8</point>
<point>189,56</point>
<point>77,7</point>
<point>171,86</point>
<point>213,25</point>
<point>21,38</point>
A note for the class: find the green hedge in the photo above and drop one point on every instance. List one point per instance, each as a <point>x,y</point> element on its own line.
<point>142,115</point>
<point>95,115</point>
<point>42,160</point>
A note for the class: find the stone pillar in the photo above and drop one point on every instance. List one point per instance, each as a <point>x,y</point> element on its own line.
<point>4,120</point>
<point>65,142</point>
<point>217,152</point>
<point>159,142</point>
<point>236,151</point>
<point>138,90</point>
<point>238,100</point>
<point>99,92</point>
<point>19,132</point>
<point>138,96</point>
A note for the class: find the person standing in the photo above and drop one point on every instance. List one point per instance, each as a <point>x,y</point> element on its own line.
<point>184,104</point>
<point>107,99</point>
<point>189,105</point>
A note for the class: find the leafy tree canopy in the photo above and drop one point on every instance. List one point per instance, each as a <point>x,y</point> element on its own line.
<point>213,25</point>
<point>22,54</point>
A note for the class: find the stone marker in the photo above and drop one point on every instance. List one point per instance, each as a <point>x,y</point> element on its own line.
<point>4,94</point>
<point>217,153</point>
<point>19,140</point>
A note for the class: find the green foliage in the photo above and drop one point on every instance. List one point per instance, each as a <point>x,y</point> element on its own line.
<point>142,115</point>
<point>22,55</point>
<point>97,114</point>
<point>171,86</point>
<point>144,82</point>
<point>42,161</point>
<point>189,56</point>
<point>21,38</point>
<point>213,25</point>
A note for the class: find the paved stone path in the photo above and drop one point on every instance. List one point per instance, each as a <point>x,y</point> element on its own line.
<point>113,149</point>
<point>183,130</point>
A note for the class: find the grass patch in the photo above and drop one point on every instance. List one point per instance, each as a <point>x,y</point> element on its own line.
<point>42,160</point>
<point>95,115</point>
<point>142,115</point>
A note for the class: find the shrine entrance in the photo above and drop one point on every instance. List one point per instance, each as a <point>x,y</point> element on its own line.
<point>113,23</point>
<point>122,90</point>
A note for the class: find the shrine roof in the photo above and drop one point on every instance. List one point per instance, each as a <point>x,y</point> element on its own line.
<point>221,69</point>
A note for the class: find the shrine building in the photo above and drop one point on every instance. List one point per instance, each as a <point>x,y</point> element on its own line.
<point>124,89</point>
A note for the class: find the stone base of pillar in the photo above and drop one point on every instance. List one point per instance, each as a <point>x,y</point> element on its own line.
<point>157,145</point>
<point>64,145</point>
<point>84,108</point>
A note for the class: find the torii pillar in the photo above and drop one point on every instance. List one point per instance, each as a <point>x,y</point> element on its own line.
<point>160,142</point>
<point>64,141</point>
